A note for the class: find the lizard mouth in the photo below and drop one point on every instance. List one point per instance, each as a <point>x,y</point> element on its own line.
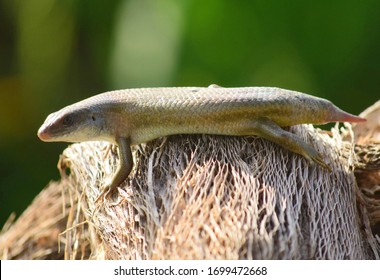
<point>43,134</point>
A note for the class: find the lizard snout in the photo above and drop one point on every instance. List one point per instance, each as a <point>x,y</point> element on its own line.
<point>43,134</point>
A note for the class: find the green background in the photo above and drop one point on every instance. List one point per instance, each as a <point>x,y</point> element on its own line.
<point>56,52</point>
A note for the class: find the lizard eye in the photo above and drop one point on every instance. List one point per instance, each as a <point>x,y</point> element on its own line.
<point>68,120</point>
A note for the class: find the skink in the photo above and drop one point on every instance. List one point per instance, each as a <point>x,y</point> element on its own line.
<point>132,116</point>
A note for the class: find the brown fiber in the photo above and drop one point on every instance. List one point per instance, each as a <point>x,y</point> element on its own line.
<point>202,197</point>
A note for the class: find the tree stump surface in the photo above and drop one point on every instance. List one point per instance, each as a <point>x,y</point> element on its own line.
<point>208,197</point>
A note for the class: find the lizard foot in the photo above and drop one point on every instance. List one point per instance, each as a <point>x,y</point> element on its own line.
<point>312,155</point>
<point>105,195</point>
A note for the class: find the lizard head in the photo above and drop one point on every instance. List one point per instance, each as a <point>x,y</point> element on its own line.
<point>72,124</point>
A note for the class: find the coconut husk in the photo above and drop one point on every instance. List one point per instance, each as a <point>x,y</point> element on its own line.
<point>204,197</point>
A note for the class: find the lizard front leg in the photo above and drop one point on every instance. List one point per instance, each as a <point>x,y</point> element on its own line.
<point>269,130</point>
<point>125,167</point>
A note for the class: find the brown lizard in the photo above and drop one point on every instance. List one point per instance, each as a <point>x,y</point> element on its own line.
<point>133,116</point>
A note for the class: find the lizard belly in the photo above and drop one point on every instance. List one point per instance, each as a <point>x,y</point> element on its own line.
<point>229,124</point>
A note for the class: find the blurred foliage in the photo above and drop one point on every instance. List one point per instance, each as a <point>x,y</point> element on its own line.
<point>53,53</point>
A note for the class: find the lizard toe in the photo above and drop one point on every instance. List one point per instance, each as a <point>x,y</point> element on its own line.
<point>317,158</point>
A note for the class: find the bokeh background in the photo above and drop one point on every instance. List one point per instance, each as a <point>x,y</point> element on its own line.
<point>54,53</point>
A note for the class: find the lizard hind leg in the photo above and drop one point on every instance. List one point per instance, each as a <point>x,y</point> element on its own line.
<point>271,131</point>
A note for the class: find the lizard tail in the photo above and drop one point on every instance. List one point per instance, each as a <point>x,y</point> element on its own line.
<point>339,115</point>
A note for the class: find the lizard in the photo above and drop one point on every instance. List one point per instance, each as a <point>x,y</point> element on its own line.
<point>133,116</point>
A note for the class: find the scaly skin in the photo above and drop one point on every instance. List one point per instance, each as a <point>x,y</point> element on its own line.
<point>133,116</point>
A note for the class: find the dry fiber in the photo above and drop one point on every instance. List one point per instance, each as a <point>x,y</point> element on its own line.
<point>210,197</point>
